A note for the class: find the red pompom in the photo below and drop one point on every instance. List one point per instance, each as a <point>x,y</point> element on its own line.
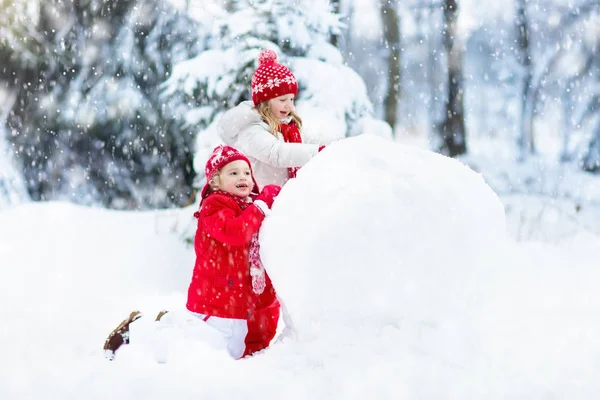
<point>267,56</point>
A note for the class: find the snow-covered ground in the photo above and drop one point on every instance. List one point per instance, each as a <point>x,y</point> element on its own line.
<point>398,272</point>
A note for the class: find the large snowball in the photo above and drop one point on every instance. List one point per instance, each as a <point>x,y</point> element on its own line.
<point>374,231</point>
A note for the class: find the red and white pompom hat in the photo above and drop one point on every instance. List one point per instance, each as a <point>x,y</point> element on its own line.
<point>271,79</point>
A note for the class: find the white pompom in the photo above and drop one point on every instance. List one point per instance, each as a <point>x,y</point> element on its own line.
<point>267,56</point>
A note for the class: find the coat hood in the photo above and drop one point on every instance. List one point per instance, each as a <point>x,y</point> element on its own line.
<point>234,121</point>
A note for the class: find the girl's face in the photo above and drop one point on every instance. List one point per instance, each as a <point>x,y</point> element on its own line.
<point>236,178</point>
<point>282,106</point>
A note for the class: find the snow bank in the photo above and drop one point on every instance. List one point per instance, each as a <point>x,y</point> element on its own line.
<point>541,329</point>
<point>373,233</point>
<point>68,274</point>
<point>388,258</point>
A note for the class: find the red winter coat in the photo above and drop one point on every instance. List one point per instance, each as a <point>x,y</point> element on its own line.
<point>221,285</point>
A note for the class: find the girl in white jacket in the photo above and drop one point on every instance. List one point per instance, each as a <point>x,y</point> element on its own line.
<point>266,129</point>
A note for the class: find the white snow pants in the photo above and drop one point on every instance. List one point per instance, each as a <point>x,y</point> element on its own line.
<point>219,333</point>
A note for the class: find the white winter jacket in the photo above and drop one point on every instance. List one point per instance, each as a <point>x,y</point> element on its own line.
<point>270,156</point>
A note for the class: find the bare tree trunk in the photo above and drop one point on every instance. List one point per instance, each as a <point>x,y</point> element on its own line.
<point>391,31</point>
<point>432,73</point>
<point>525,140</point>
<point>335,8</point>
<point>591,160</point>
<point>452,130</point>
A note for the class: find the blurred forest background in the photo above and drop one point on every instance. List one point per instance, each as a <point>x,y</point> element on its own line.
<point>109,102</point>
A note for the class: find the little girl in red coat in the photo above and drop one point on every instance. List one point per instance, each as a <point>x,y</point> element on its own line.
<point>229,290</point>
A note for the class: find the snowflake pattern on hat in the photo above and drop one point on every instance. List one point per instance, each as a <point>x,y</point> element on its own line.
<point>271,79</point>
<point>272,83</point>
<point>216,162</point>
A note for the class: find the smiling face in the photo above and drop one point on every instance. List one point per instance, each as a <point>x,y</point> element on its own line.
<point>235,178</point>
<point>282,106</point>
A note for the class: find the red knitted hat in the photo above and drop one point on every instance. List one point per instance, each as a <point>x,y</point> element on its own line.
<point>221,156</point>
<point>271,79</point>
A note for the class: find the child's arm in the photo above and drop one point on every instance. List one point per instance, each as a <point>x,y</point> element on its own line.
<point>219,221</point>
<point>259,143</point>
<point>308,137</point>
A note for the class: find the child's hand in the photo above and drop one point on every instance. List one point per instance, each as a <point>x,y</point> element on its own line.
<point>268,194</point>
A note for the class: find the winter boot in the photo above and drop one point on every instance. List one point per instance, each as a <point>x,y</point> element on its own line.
<point>160,315</point>
<point>119,336</point>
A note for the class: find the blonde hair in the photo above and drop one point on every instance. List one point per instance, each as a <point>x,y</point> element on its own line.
<point>213,183</point>
<point>264,110</point>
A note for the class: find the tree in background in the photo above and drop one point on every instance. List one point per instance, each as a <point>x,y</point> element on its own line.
<point>334,37</point>
<point>391,33</point>
<point>571,64</point>
<point>589,111</point>
<point>525,140</point>
<point>12,185</point>
<point>18,59</point>
<point>87,124</point>
<point>332,98</point>
<point>452,129</point>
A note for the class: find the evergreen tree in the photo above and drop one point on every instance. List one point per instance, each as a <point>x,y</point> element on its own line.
<point>12,185</point>
<point>88,122</point>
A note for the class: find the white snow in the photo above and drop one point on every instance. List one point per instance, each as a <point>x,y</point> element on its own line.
<point>391,295</point>
<point>401,217</point>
